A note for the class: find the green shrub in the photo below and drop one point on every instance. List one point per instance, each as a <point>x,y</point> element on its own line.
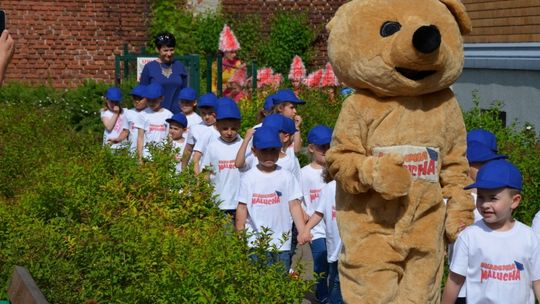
<point>290,34</point>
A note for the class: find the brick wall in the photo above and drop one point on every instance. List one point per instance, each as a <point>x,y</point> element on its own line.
<point>65,42</point>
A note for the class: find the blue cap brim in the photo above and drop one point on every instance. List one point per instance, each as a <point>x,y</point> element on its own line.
<point>486,185</point>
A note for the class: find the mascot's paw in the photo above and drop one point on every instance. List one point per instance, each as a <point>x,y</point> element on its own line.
<point>390,178</point>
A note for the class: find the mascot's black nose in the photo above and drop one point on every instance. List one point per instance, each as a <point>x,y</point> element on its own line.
<point>427,39</point>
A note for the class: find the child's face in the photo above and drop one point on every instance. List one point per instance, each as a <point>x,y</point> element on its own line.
<point>288,109</point>
<point>228,129</point>
<point>267,157</point>
<point>176,131</point>
<point>229,55</point>
<point>319,153</point>
<point>208,116</point>
<point>154,103</point>
<point>110,104</point>
<point>496,206</point>
<point>139,103</point>
<point>187,106</point>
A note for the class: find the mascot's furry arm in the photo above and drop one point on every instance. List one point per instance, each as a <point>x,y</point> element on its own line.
<point>454,175</point>
<point>352,165</point>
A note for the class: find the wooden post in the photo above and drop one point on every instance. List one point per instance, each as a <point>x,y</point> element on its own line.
<point>23,290</point>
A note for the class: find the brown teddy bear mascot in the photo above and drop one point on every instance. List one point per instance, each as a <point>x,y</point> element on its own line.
<point>398,150</point>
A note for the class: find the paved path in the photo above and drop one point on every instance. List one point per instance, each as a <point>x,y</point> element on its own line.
<point>303,256</point>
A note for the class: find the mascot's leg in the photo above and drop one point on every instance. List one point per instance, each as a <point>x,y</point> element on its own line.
<point>423,267</point>
<point>370,265</point>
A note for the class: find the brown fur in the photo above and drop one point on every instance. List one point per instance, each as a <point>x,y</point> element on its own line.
<point>392,223</point>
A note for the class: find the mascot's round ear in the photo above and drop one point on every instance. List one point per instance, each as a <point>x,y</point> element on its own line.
<point>458,10</point>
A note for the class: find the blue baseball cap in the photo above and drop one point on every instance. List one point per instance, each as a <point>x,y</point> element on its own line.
<point>138,90</point>
<point>268,102</point>
<point>208,100</point>
<point>319,135</point>
<point>482,146</point>
<point>178,118</point>
<point>478,153</point>
<point>266,137</point>
<point>114,94</point>
<point>188,94</point>
<point>227,109</point>
<point>484,137</point>
<point>498,173</point>
<point>280,122</point>
<point>286,95</point>
<point>153,90</point>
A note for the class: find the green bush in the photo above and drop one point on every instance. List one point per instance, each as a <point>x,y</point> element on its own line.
<point>290,34</point>
<point>92,224</point>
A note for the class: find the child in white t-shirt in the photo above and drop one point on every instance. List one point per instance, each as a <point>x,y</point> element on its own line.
<point>188,103</point>
<point>286,128</point>
<point>312,182</point>
<point>207,106</point>
<point>220,154</point>
<point>481,149</point>
<point>135,116</point>
<point>156,128</point>
<point>114,119</point>
<point>498,258</point>
<point>269,197</point>
<point>325,208</point>
<point>177,127</point>
<point>285,102</point>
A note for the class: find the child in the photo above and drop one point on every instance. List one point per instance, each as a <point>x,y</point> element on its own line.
<point>135,115</point>
<point>269,197</point>
<point>285,102</point>
<point>207,107</point>
<point>498,258</point>
<point>286,129</point>
<point>177,127</point>
<point>114,119</point>
<point>219,157</point>
<point>156,129</point>
<point>311,180</point>
<point>325,208</point>
<point>188,103</point>
<point>210,134</point>
<point>481,148</point>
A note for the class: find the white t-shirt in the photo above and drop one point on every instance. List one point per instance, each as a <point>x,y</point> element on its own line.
<point>290,163</point>
<point>136,121</point>
<point>220,156</point>
<point>326,205</point>
<point>312,182</point>
<point>156,129</point>
<point>193,119</point>
<point>536,224</point>
<point>499,266</point>
<point>207,136</point>
<point>179,146</point>
<point>121,124</point>
<point>477,217</point>
<point>267,197</point>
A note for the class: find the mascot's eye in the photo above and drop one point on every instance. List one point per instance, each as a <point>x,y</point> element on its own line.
<point>389,28</point>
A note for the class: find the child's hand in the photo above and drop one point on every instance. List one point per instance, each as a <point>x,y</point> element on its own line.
<point>304,237</point>
<point>297,121</point>
<point>116,109</point>
<point>249,134</point>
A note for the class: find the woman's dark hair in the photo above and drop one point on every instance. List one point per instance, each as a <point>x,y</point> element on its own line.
<point>165,39</point>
